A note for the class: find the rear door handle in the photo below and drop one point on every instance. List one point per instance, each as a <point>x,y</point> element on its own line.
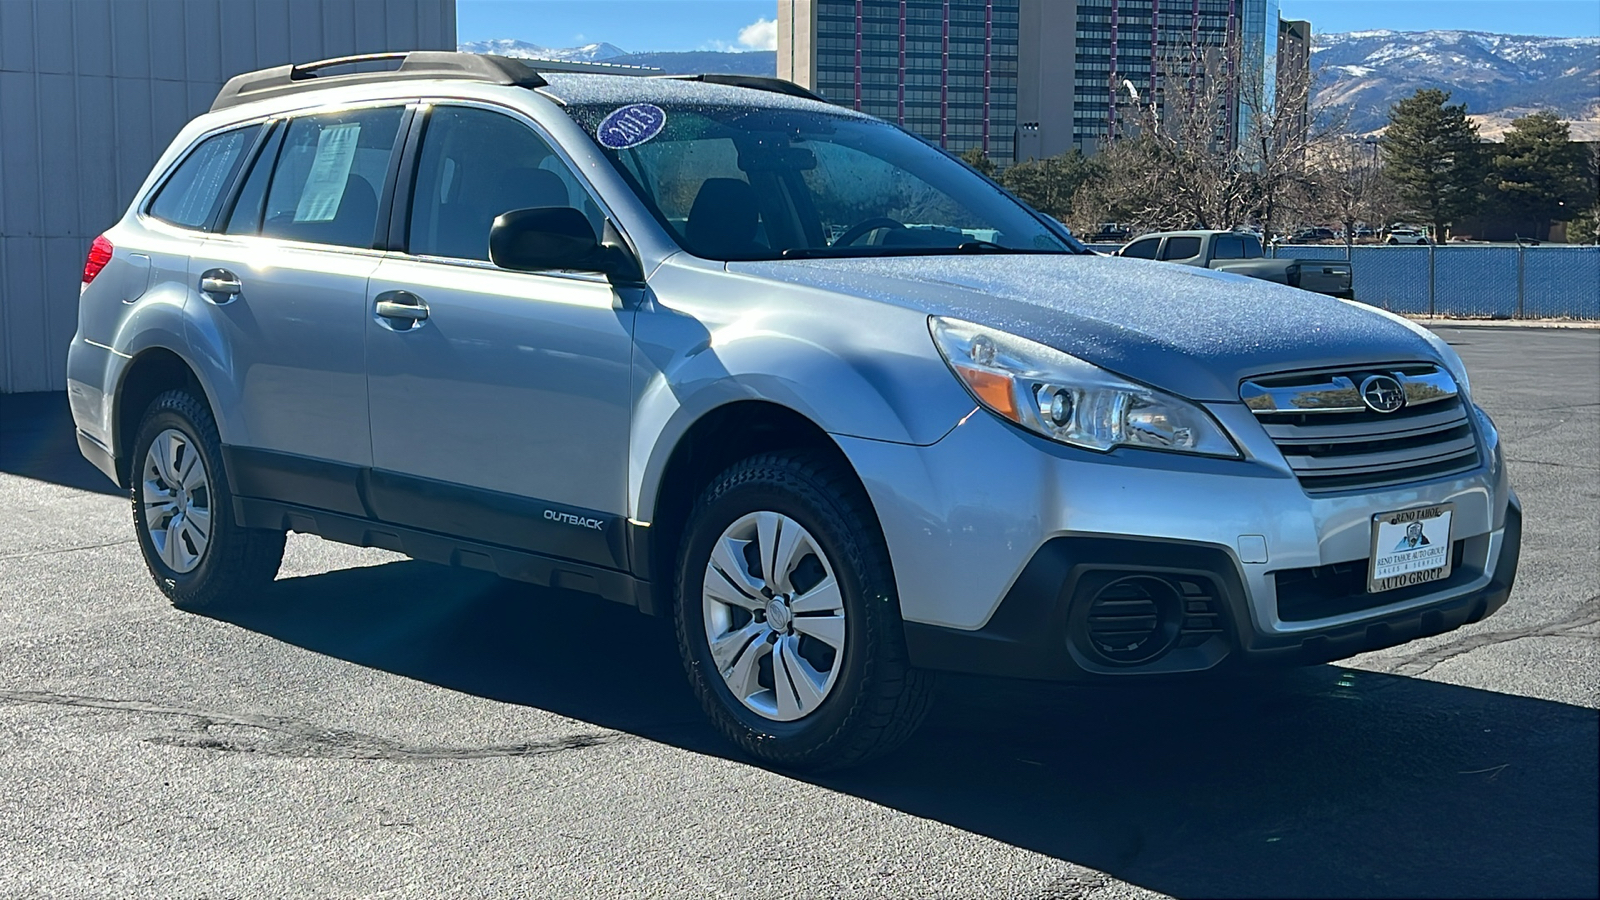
<point>220,286</point>
<point>400,310</point>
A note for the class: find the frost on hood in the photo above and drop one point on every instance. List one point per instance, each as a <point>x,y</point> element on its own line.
<point>1189,330</point>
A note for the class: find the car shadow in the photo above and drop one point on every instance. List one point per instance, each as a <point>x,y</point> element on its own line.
<point>39,441</point>
<point>1321,781</point>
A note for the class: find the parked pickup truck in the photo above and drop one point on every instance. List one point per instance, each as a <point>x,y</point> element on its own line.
<point>1239,252</point>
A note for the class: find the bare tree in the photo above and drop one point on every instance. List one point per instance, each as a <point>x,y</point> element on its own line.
<point>1343,182</point>
<point>1203,148</point>
<point>1173,164</point>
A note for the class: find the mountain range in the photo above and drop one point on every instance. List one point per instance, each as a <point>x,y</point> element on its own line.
<point>1498,76</point>
<point>755,62</point>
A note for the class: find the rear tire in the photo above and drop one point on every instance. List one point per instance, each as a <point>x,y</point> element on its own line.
<point>824,684</point>
<point>183,510</point>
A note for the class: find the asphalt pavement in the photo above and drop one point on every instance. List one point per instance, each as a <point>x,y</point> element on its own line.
<point>380,727</point>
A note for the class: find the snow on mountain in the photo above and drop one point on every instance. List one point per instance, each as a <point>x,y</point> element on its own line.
<point>525,50</point>
<point>1498,76</point>
<point>750,62</point>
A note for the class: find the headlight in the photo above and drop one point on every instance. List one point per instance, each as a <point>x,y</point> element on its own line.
<point>1069,400</point>
<point>1491,435</point>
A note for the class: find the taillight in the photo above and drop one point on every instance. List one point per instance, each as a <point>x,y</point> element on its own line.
<point>99,255</point>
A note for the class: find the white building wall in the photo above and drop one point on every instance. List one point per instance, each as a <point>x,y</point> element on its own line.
<point>92,91</point>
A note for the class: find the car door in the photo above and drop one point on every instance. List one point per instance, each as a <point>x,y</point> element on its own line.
<point>499,400</point>
<point>283,290</point>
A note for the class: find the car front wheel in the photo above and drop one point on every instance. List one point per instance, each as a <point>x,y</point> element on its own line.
<point>787,618</point>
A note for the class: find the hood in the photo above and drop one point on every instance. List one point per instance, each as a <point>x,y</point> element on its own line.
<point>1188,331</point>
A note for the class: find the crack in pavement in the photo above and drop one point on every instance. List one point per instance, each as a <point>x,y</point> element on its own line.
<point>30,553</point>
<point>1587,613</point>
<point>282,736</point>
<point>1540,462</point>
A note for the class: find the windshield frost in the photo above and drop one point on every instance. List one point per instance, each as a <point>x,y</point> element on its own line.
<point>746,183</point>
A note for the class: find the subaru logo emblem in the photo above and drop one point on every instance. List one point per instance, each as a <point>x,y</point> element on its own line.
<point>1382,394</point>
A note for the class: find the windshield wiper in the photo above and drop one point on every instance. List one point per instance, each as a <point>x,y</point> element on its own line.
<point>986,247</point>
<point>870,252</point>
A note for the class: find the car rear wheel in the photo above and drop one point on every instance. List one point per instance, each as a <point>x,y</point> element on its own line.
<point>787,619</point>
<point>182,510</point>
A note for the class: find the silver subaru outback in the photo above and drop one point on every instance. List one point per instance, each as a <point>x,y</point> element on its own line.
<point>842,408</point>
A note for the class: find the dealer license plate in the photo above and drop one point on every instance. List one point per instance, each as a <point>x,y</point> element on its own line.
<point>1410,547</point>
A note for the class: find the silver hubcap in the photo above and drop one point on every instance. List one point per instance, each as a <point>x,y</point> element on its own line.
<point>774,616</point>
<point>176,495</point>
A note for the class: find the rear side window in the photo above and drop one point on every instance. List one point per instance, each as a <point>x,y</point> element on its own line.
<point>1145,249</point>
<point>329,175</point>
<point>1181,248</point>
<point>195,189</point>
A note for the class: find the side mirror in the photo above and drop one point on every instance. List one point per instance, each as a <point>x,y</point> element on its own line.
<point>555,237</point>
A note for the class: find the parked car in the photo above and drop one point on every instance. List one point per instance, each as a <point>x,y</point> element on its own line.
<point>1407,235</point>
<point>1313,235</point>
<point>1111,233</point>
<point>486,317</point>
<point>1240,253</point>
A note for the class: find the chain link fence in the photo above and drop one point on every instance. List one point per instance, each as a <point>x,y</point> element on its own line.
<point>1469,281</point>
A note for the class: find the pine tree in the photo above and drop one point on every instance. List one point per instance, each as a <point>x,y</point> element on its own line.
<point>980,160</point>
<point>1432,156</point>
<point>1048,184</point>
<point>1537,174</point>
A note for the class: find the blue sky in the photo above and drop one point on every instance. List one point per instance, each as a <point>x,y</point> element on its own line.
<point>639,25</point>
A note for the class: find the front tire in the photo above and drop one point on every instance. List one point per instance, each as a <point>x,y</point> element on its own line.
<point>787,618</point>
<point>183,511</point>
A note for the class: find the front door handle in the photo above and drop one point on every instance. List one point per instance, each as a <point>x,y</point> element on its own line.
<point>220,286</point>
<point>400,310</point>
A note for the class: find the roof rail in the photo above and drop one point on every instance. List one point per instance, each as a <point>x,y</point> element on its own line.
<point>754,82</point>
<point>283,80</point>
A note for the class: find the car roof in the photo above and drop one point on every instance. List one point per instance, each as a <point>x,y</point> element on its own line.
<point>585,89</point>
<point>449,72</point>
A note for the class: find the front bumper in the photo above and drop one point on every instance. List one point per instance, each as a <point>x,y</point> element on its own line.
<point>1039,630</point>
<point>995,535</point>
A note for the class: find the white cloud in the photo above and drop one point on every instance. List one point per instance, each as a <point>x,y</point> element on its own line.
<point>762,34</point>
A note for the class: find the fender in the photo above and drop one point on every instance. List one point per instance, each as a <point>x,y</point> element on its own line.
<point>156,322</point>
<point>855,368</point>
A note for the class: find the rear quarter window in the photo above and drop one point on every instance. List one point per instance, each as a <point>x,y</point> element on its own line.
<point>194,190</point>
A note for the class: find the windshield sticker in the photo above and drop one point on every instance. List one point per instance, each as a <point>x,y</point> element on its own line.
<point>336,149</point>
<point>630,126</point>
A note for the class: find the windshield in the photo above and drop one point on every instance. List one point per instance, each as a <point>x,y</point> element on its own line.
<point>755,183</point>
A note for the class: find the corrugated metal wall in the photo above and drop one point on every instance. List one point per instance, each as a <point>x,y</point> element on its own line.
<point>91,92</point>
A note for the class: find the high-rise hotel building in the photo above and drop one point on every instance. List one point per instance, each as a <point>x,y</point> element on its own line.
<point>1019,79</point>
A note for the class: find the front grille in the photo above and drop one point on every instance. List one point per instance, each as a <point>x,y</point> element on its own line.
<point>1335,442</point>
<point>1318,592</point>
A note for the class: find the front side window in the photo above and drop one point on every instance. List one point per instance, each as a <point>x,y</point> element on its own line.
<point>752,182</point>
<point>329,175</point>
<point>192,194</point>
<point>476,164</point>
<point>1145,249</point>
